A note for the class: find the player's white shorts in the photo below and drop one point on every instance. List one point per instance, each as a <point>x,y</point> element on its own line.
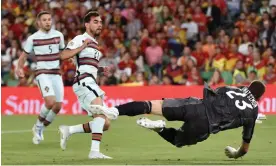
<point>51,85</point>
<point>86,91</point>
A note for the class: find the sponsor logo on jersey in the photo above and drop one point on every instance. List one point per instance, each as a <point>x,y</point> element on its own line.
<point>47,89</point>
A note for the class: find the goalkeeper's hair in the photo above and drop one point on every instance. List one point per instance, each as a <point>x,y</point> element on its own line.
<point>257,88</point>
<point>90,14</point>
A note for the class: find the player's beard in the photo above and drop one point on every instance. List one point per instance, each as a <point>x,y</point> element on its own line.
<point>96,33</point>
<point>47,28</point>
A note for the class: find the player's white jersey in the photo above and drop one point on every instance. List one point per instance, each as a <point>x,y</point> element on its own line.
<point>46,47</point>
<point>88,59</point>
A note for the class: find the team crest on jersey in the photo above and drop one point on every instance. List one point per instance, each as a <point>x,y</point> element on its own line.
<point>71,43</point>
<point>47,89</point>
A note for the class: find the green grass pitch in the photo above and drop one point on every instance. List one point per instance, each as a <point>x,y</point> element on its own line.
<point>129,144</point>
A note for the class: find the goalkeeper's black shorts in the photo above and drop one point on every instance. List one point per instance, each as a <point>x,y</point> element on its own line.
<point>193,112</point>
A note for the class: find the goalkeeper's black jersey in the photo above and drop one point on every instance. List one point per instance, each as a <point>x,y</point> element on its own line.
<point>231,107</point>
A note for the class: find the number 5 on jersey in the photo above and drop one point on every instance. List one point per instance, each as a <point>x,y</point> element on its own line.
<point>51,50</point>
<point>244,104</point>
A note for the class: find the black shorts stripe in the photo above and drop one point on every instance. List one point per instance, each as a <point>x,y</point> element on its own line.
<point>88,87</point>
<point>26,51</point>
<point>39,86</point>
<point>95,93</point>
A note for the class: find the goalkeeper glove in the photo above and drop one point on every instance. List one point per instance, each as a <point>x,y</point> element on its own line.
<point>232,152</point>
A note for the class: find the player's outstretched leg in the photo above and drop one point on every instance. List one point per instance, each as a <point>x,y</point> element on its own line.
<point>111,113</point>
<point>170,135</point>
<point>159,126</point>
<point>156,125</point>
<point>134,108</point>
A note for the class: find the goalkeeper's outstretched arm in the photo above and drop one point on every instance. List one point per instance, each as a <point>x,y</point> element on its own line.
<point>236,153</point>
<point>243,149</point>
<point>248,131</point>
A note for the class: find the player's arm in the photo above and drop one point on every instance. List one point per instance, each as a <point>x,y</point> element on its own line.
<point>67,53</point>
<point>233,153</point>
<point>20,65</point>
<point>243,149</point>
<point>248,130</point>
<point>72,50</point>
<point>28,47</point>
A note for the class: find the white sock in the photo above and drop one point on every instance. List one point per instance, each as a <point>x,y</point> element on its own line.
<point>39,123</point>
<point>43,114</point>
<point>51,116</point>
<point>95,146</point>
<point>76,129</point>
<point>97,130</point>
<point>44,111</point>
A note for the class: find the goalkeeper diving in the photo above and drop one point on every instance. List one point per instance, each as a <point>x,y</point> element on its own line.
<point>220,109</point>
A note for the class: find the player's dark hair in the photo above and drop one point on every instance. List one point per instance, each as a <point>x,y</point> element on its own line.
<point>257,88</point>
<point>42,13</point>
<point>90,14</point>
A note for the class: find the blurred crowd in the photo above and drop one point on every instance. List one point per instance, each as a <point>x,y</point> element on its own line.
<point>154,42</point>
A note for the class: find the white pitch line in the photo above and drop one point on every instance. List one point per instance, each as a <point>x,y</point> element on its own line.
<point>15,131</point>
<point>19,131</point>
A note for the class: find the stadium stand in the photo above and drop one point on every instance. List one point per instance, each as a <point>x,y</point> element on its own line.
<point>155,42</point>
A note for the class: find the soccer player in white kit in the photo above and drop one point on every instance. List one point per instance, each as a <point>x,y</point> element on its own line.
<point>46,44</point>
<point>87,55</point>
